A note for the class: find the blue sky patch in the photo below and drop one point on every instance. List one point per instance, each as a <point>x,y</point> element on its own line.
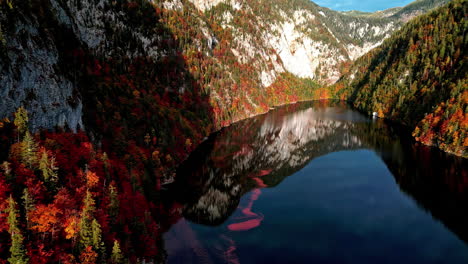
<point>361,5</point>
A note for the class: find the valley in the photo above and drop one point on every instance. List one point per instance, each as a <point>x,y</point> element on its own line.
<point>128,126</point>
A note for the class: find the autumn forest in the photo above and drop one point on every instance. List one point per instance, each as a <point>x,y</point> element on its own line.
<point>104,100</point>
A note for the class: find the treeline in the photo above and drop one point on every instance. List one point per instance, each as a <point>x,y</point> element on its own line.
<point>94,197</point>
<point>62,200</point>
<point>195,87</point>
<point>419,77</point>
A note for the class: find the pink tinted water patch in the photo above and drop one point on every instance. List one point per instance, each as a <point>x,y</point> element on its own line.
<point>230,253</point>
<point>259,173</point>
<point>247,211</point>
<point>260,183</point>
<point>256,219</point>
<point>246,225</point>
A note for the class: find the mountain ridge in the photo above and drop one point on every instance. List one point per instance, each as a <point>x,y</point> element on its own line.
<point>419,77</point>
<point>404,13</point>
<point>148,81</point>
<point>191,70</point>
<point>303,42</point>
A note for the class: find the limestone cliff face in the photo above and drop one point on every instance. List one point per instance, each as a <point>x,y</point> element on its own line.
<point>272,37</point>
<point>30,76</point>
<point>32,71</point>
<point>301,38</point>
<point>206,4</point>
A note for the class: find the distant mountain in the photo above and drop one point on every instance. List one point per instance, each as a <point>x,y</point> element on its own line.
<point>403,14</point>
<point>419,77</point>
<point>311,41</point>
<point>417,8</point>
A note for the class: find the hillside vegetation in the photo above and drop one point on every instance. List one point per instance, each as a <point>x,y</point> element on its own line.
<point>419,78</point>
<point>102,100</point>
<point>170,70</point>
<point>416,8</point>
<point>404,13</point>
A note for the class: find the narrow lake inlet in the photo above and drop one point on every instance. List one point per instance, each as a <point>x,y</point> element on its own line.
<point>318,182</point>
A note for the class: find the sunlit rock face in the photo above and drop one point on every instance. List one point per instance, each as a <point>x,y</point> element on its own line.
<point>301,38</point>
<point>206,4</point>
<point>298,37</point>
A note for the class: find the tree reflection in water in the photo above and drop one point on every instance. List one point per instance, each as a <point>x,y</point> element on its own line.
<point>262,151</point>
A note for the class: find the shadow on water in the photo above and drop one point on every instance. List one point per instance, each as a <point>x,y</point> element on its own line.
<point>264,150</point>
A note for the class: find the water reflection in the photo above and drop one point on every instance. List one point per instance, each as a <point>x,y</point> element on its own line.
<point>261,152</point>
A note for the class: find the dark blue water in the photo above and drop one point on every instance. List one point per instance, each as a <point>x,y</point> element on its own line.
<point>318,182</point>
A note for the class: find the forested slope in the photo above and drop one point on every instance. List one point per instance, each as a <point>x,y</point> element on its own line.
<point>118,93</point>
<point>171,71</point>
<point>419,77</point>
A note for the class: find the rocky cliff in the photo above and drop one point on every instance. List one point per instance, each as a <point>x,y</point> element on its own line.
<point>42,42</point>
<point>38,37</point>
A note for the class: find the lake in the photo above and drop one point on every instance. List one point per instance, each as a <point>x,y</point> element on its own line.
<point>318,182</point>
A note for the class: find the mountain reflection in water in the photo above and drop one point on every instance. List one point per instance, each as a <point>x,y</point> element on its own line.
<point>218,186</point>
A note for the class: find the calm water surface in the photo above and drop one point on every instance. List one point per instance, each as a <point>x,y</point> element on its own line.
<point>318,182</point>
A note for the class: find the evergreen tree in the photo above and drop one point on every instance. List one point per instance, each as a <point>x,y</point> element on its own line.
<point>48,169</point>
<point>90,229</point>
<point>116,257</point>
<point>114,203</point>
<point>97,243</point>
<point>28,203</point>
<point>21,121</point>
<point>17,250</point>
<point>29,150</point>
<point>86,232</point>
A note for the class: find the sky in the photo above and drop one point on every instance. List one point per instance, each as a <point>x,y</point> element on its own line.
<point>361,5</point>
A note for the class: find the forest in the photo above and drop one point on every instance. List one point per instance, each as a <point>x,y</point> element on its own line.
<point>93,195</point>
<point>418,77</point>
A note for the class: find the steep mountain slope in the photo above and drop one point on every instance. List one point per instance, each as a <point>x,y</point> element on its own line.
<point>419,77</point>
<point>66,61</point>
<point>56,52</point>
<point>417,8</point>
<point>149,80</point>
<point>309,40</point>
<point>403,14</point>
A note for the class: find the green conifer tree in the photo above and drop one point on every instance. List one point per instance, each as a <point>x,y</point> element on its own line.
<point>114,203</point>
<point>48,170</point>
<point>86,232</point>
<point>28,203</point>
<point>21,121</point>
<point>29,151</point>
<point>97,243</point>
<point>116,257</point>
<point>17,250</point>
